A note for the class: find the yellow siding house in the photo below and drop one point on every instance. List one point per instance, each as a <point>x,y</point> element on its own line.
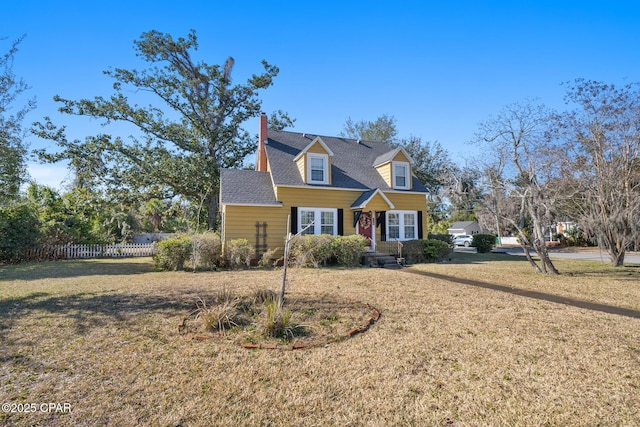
<point>341,186</point>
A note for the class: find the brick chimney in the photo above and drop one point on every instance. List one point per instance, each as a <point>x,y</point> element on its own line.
<point>261,158</point>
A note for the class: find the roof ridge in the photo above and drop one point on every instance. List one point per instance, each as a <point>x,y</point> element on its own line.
<point>354,140</point>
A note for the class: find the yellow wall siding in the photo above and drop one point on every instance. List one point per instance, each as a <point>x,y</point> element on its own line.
<point>377,203</point>
<point>302,167</point>
<point>404,201</point>
<point>400,157</point>
<point>240,221</point>
<point>317,148</point>
<point>385,172</point>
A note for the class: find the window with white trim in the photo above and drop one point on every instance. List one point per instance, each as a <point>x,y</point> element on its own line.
<point>401,175</point>
<point>402,225</point>
<point>317,168</point>
<point>325,220</point>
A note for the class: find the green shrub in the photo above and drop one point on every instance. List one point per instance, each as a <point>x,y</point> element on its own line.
<point>576,237</point>
<point>278,323</point>
<point>268,259</point>
<point>206,250</point>
<point>442,237</point>
<point>238,253</point>
<point>418,251</point>
<point>436,250</point>
<point>172,253</point>
<point>347,250</point>
<point>413,251</point>
<point>310,250</point>
<point>19,230</point>
<point>483,242</point>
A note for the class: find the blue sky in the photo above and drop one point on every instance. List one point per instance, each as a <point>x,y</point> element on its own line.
<point>439,67</point>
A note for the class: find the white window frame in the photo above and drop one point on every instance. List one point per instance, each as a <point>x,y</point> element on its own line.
<point>325,168</point>
<point>401,224</point>
<point>407,175</point>
<point>316,228</point>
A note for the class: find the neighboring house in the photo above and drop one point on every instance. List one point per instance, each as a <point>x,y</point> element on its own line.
<point>566,227</point>
<point>343,186</point>
<point>464,227</point>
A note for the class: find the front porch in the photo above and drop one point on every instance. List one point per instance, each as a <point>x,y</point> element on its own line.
<point>382,260</point>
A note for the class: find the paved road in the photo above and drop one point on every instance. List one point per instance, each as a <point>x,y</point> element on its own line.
<point>590,254</point>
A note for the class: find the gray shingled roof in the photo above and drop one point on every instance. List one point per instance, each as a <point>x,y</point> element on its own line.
<point>352,163</point>
<point>461,224</point>
<point>246,187</point>
<point>352,167</point>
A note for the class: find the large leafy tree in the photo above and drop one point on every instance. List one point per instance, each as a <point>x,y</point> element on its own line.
<point>191,130</point>
<point>462,191</point>
<point>383,129</point>
<point>434,168</point>
<point>601,162</point>
<point>12,147</point>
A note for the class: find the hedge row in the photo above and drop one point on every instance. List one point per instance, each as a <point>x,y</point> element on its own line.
<point>202,251</point>
<point>205,251</point>
<point>315,251</point>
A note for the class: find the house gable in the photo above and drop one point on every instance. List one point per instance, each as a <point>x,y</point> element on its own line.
<point>395,168</point>
<point>373,200</point>
<point>314,163</point>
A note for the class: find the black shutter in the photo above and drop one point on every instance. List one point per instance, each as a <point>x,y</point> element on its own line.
<point>294,220</point>
<point>356,217</point>
<point>420,225</point>
<point>340,222</point>
<point>381,221</point>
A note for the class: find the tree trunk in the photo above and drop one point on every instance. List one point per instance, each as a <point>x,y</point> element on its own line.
<point>617,260</point>
<point>535,266</point>
<point>538,240</point>
<point>616,254</point>
<point>212,211</point>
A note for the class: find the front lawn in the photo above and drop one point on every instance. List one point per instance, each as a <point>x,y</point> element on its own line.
<point>103,336</point>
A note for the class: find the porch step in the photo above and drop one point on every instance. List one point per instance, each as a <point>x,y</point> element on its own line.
<point>381,260</point>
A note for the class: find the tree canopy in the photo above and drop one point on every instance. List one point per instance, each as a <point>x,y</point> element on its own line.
<point>13,149</point>
<point>191,130</point>
<point>581,165</point>
<point>383,129</point>
<point>449,186</point>
<point>521,171</point>
<point>601,162</point>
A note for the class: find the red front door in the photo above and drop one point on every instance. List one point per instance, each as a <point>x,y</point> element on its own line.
<point>365,226</point>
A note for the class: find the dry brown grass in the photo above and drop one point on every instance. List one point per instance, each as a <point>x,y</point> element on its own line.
<point>103,336</point>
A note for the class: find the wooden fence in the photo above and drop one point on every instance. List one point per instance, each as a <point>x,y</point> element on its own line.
<point>113,250</point>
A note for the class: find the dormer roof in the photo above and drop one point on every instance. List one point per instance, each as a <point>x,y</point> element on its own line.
<point>317,140</point>
<point>352,166</point>
<point>391,155</point>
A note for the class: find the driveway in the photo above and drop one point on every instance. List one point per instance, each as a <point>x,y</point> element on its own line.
<point>590,254</point>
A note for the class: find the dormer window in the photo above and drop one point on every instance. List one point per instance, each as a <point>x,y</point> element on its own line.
<point>401,175</point>
<point>317,172</point>
<point>314,163</point>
